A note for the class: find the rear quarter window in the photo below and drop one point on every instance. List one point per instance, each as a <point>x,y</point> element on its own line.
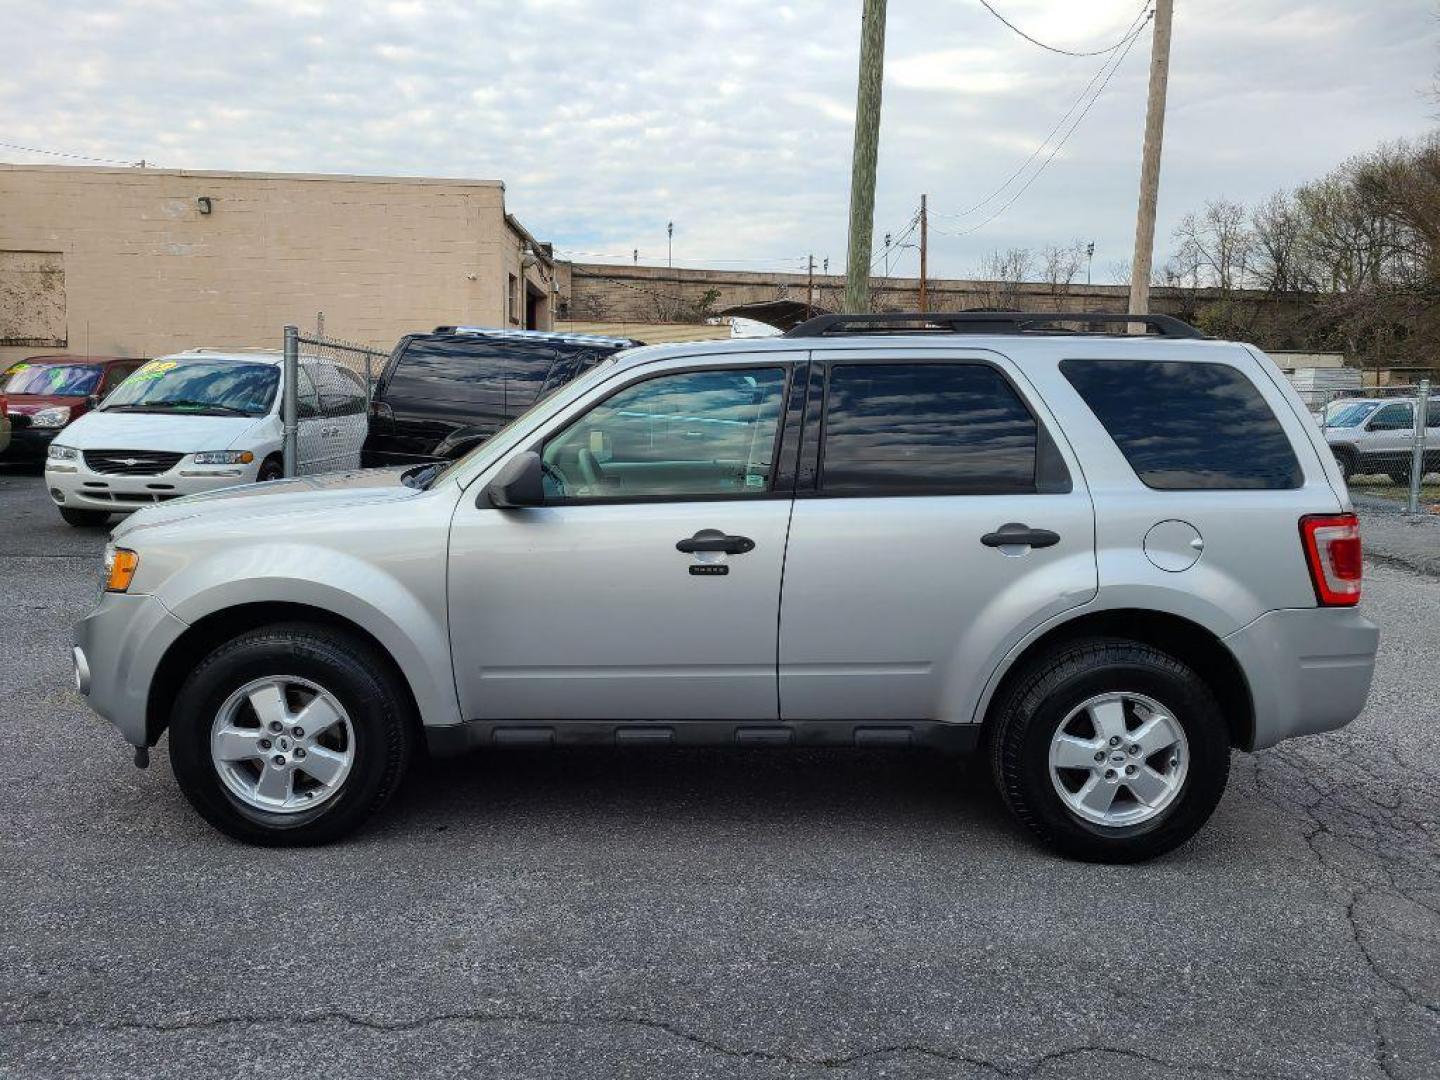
<point>1187,426</point>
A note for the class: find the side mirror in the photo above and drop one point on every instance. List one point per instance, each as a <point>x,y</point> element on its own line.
<point>92,401</point>
<point>520,483</point>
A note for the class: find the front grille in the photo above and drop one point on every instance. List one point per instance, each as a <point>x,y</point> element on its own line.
<point>131,462</point>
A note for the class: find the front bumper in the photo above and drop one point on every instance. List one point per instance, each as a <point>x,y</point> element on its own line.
<point>74,484</point>
<point>118,647</point>
<point>1309,669</point>
<point>29,444</point>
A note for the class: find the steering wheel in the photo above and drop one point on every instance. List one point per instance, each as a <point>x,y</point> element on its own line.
<point>590,468</point>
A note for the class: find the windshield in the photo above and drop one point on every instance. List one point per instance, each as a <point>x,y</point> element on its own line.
<point>1350,414</point>
<point>205,387</point>
<point>499,442</point>
<point>38,377</point>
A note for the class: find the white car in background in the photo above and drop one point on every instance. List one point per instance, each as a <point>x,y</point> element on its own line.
<point>202,420</point>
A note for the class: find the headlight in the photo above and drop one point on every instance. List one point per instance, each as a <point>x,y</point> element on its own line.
<point>224,457</point>
<point>56,416</point>
<point>120,567</point>
<point>62,453</point>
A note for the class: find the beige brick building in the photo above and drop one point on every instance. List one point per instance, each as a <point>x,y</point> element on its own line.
<point>140,262</point>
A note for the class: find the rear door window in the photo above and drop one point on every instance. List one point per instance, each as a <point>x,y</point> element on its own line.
<point>925,429</point>
<point>1187,426</point>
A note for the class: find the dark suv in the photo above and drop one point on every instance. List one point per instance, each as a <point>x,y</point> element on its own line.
<point>442,394</point>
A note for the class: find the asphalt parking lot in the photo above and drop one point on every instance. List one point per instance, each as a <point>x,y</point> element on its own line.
<point>714,914</point>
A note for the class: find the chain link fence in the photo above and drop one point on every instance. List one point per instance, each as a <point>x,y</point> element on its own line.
<point>328,384</point>
<point>1386,439</point>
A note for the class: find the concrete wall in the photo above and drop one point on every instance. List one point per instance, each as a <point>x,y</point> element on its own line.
<point>124,262</point>
<point>606,293</point>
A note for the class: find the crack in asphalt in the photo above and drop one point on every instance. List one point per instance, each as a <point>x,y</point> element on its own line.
<point>841,1061</point>
<point>1345,878</point>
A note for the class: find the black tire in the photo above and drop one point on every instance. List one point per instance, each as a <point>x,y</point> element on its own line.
<point>83,519</point>
<point>272,468</point>
<point>1400,477</point>
<point>1037,703</point>
<point>1347,465</point>
<point>351,670</point>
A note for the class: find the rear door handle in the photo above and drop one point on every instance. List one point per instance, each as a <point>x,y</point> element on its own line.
<point>711,540</point>
<point>1020,535</point>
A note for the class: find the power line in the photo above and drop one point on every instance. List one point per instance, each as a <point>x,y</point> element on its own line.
<point>1058,146</point>
<point>74,157</point>
<point>1136,28</point>
<point>1050,48</point>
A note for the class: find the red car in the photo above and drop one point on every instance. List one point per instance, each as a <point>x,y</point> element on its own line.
<point>45,393</point>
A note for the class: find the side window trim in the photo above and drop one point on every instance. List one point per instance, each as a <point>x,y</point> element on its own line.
<point>1052,474</point>
<point>775,491</point>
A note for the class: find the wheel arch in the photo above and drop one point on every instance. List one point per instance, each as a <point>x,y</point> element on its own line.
<point>1182,638</point>
<point>208,632</point>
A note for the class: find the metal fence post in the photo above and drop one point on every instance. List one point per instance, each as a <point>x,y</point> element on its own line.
<point>290,402</point>
<point>1417,446</point>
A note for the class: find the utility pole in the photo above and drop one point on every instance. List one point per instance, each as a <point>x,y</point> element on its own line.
<point>1089,259</point>
<point>867,146</point>
<point>1150,160</point>
<point>635,256</point>
<point>810,290</point>
<point>887,256</point>
<point>924,252</point>
<point>670,244</point>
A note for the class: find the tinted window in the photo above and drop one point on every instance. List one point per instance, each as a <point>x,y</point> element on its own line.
<point>696,433</point>
<point>1187,426</point>
<point>1397,417</point>
<point>922,428</point>
<point>471,369</point>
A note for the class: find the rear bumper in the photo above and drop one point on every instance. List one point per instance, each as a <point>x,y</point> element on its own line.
<point>1309,670</point>
<point>118,646</point>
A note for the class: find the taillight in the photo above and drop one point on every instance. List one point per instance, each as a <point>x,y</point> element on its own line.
<point>1332,548</point>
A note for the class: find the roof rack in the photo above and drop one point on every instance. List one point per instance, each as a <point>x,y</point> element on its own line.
<point>535,335</point>
<point>984,322</point>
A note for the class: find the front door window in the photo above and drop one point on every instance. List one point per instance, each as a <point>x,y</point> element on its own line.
<point>692,434</point>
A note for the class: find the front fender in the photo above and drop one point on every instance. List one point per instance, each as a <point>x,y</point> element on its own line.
<point>400,603</point>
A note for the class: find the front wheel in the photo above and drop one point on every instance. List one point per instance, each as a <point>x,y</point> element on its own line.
<point>271,468</point>
<point>1110,751</point>
<point>290,735</point>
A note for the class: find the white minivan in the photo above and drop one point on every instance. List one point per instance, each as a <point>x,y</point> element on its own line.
<point>201,420</point>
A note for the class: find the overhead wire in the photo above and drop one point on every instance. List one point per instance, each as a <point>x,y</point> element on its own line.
<point>73,157</point>
<point>1137,25</point>
<point>1110,74</point>
<point>1051,48</point>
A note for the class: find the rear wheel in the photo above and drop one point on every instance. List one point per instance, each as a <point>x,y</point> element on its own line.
<point>1110,751</point>
<point>290,735</point>
<point>83,518</point>
<point>1400,477</point>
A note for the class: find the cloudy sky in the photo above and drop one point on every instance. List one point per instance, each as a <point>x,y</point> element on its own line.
<point>733,118</point>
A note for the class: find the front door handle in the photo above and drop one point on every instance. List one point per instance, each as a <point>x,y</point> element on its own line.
<point>714,540</point>
<point>1018,535</point>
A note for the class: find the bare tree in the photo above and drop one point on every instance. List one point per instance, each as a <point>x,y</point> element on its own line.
<point>1001,274</point>
<point>1216,244</point>
<point>1060,266</point>
<point>1276,228</point>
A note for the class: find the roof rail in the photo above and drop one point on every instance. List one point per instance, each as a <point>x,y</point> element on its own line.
<point>984,322</point>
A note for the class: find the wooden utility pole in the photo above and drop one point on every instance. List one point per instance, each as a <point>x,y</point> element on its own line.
<point>1150,161</point>
<point>810,290</point>
<point>924,252</point>
<point>867,146</point>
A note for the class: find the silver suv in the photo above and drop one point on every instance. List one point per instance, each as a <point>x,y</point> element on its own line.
<point>1377,435</point>
<point>1104,559</point>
